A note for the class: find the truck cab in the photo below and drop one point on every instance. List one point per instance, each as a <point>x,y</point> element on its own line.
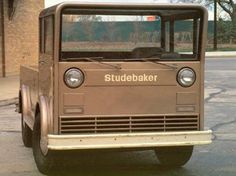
<point>116,76</point>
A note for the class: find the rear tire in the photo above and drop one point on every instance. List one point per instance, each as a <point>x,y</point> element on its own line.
<point>45,163</point>
<point>25,131</point>
<point>174,156</point>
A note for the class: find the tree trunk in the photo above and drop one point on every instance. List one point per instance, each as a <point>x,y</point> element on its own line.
<point>233,25</point>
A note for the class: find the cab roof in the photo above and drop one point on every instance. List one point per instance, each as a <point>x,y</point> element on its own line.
<point>162,9</point>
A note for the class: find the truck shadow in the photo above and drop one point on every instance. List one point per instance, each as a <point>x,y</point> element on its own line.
<point>113,163</point>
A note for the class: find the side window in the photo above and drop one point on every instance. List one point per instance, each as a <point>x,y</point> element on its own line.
<point>48,35</point>
<point>184,36</point>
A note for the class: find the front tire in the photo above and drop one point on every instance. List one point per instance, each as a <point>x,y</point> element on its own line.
<point>45,163</point>
<point>174,156</point>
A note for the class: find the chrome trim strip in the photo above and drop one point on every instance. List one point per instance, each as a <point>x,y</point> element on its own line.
<point>133,140</point>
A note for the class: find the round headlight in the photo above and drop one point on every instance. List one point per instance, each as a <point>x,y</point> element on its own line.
<point>73,78</point>
<point>186,77</point>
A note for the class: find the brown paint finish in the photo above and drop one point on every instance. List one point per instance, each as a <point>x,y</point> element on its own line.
<point>138,90</point>
<point>186,98</point>
<point>113,98</point>
<point>73,99</point>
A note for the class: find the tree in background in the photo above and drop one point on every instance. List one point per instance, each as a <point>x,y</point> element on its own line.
<point>228,6</point>
<point>226,31</point>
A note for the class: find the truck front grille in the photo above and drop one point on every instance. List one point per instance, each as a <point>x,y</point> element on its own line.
<point>91,125</point>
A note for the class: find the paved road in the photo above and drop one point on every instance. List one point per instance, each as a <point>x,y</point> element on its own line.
<point>216,159</point>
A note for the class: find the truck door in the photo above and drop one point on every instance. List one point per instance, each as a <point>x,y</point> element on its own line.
<point>46,58</point>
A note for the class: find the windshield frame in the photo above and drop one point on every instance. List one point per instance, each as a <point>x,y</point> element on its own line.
<point>197,48</point>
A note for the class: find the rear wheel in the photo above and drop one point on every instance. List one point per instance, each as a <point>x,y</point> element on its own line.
<point>25,130</point>
<point>45,162</point>
<point>174,156</point>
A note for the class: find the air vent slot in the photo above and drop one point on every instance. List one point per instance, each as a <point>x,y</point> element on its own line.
<point>97,125</point>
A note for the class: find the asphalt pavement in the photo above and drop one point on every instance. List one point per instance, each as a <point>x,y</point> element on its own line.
<point>217,159</point>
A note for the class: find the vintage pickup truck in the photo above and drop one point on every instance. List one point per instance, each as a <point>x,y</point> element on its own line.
<point>116,76</point>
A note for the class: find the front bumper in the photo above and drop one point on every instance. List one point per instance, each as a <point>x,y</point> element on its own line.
<point>134,140</point>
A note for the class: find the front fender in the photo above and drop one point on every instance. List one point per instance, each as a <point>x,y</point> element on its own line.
<point>45,117</point>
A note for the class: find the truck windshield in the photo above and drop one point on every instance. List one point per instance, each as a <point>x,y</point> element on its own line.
<point>124,34</point>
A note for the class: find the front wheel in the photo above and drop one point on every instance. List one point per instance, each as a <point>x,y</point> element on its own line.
<point>45,162</point>
<point>174,156</point>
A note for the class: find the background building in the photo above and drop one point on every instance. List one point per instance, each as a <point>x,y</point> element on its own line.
<point>18,34</point>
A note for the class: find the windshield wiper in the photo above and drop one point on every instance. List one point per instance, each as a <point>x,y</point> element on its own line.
<point>97,60</point>
<point>153,60</point>
<point>174,67</point>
